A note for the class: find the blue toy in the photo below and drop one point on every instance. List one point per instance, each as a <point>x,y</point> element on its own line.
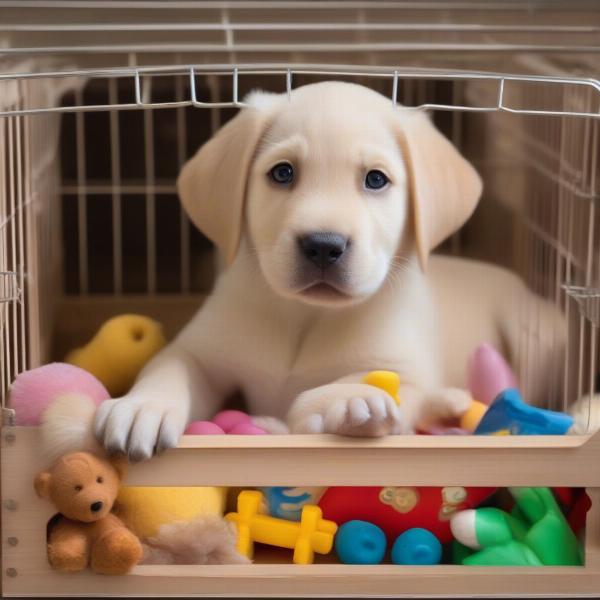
<point>288,502</point>
<point>417,546</point>
<point>509,415</point>
<point>360,543</point>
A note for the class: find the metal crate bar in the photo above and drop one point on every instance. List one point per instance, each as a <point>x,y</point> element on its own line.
<point>141,102</point>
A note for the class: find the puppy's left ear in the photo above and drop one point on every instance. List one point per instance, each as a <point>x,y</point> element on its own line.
<point>212,184</point>
<point>444,186</point>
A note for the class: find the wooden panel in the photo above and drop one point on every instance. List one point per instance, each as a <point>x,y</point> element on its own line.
<point>406,460</point>
<point>314,580</point>
<point>330,460</point>
<point>592,531</point>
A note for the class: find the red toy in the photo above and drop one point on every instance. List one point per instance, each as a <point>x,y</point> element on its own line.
<point>397,509</point>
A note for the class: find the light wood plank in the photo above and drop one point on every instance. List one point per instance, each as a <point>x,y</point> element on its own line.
<point>314,581</point>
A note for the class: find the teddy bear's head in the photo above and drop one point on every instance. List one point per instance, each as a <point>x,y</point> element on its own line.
<point>82,486</point>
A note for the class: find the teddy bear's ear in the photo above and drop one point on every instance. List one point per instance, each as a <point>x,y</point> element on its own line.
<point>120,465</point>
<point>42,484</point>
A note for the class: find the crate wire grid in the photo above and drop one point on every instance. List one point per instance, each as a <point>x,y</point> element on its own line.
<point>304,27</point>
<point>574,181</point>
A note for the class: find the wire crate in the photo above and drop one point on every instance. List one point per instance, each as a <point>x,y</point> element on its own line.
<point>100,108</point>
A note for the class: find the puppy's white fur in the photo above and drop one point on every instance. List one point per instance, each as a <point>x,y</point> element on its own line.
<point>300,350</point>
<point>67,426</point>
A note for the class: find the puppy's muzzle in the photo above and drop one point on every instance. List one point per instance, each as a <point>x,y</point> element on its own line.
<point>323,248</point>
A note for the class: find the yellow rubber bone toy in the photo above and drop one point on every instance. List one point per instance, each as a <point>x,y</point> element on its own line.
<point>388,381</point>
<point>312,534</point>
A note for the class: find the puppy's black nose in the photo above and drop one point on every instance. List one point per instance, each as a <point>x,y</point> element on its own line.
<point>323,248</point>
<point>96,506</point>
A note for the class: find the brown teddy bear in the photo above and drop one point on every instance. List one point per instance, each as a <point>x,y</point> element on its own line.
<point>83,488</point>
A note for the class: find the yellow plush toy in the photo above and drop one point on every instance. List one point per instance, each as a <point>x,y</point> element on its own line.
<point>146,509</point>
<point>119,350</point>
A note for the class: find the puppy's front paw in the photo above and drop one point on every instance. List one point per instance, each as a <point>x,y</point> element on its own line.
<point>442,405</point>
<point>353,409</point>
<point>137,428</point>
<point>448,403</point>
<point>271,425</point>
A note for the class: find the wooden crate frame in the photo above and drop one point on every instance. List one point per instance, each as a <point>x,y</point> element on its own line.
<point>311,460</point>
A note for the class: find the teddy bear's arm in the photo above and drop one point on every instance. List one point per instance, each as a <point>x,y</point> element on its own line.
<point>68,546</point>
<point>115,549</point>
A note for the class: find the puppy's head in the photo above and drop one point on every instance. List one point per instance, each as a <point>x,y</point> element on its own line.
<point>332,187</point>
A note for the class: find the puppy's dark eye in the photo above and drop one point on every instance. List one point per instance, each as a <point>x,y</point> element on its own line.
<point>282,173</point>
<point>99,479</point>
<point>78,488</point>
<point>375,180</point>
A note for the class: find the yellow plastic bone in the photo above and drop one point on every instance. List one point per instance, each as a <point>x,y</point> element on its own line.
<point>312,534</point>
<point>388,381</point>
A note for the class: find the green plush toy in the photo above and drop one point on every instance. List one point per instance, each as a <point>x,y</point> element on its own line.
<point>535,534</point>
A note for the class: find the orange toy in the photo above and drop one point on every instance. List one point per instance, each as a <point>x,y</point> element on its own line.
<point>83,489</point>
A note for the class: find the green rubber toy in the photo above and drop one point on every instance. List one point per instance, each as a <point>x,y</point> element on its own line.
<point>536,533</point>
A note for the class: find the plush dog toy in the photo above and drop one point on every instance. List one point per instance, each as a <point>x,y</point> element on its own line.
<point>83,489</point>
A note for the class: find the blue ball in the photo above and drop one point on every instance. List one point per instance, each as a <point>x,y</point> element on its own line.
<point>360,543</point>
<point>417,547</point>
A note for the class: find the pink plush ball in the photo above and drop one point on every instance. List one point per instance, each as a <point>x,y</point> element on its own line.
<point>33,391</point>
<point>203,428</point>
<point>489,374</point>
<point>228,419</point>
<point>246,429</point>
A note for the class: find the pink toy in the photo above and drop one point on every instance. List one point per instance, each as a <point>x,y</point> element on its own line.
<point>33,391</point>
<point>233,422</point>
<point>489,374</point>
<point>228,419</point>
<point>246,429</point>
<point>203,428</point>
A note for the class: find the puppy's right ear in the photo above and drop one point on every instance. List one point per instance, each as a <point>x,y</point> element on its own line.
<point>212,184</point>
<point>42,484</point>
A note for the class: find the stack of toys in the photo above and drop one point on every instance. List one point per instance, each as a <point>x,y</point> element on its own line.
<point>110,528</point>
<point>416,526</point>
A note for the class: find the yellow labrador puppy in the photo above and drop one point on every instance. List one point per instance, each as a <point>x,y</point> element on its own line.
<point>326,206</point>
